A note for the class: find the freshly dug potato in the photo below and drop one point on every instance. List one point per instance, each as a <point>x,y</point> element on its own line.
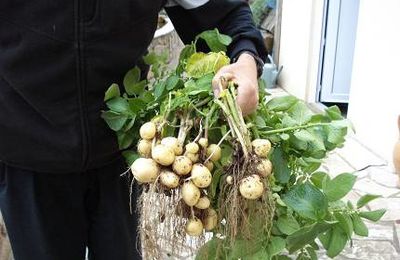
<point>214,151</point>
<point>209,165</point>
<point>192,147</point>
<point>201,176</point>
<point>145,170</point>
<point>144,148</point>
<point>194,227</point>
<point>182,165</point>
<point>190,193</point>
<point>148,130</point>
<point>163,155</point>
<point>173,143</point>
<point>211,220</point>
<point>203,142</point>
<point>264,168</point>
<point>203,203</point>
<point>251,187</point>
<point>194,157</point>
<point>169,179</point>
<point>261,147</point>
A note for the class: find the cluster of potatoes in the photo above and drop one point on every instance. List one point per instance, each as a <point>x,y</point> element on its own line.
<point>173,166</point>
<point>252,186</point>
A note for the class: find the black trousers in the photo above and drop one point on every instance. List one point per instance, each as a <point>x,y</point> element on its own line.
<point>57,216</point>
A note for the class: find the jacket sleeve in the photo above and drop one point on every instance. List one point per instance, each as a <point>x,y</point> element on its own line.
<point>231,17</point>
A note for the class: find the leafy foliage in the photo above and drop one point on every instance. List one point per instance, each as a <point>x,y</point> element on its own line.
<point>308,203</point>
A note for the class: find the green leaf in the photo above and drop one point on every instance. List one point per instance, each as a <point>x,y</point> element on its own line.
<point>282,103</point>
<point>131,78</point>
<point>318,177</point>
<point>125,139</point>
<point>112,92</point>
<point>215,183</point>
<point>307,200</point>
<point>216,42</point>
<point>172,82</point>
<point>159,89</point>
<point>262,254</point>
<point>114,120</point>
<point>364,200</point>
<point>305,235</point>
<point>373,215</point>
<point>309,142</point>
<point>338,187</point>
<point>334,113</point>
<point>338,241</point>
<point>300,113</point>
<point>130,157</point>
<point>152,58</point>
<point>136,105</point>
<point>359,226</point>
<point>118,104</point>
<point>345,222</point>
<point>242,248</point>
<point>325,238</point>
<point>201,64</point>
<point>276,246</point>
<point>186,52</point>
<point>287,224</point>
<point>281,168</point>
<point>137,89</point>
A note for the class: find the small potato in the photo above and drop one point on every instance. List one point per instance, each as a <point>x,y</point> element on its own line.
<point>201,176</point>
<point>203,203</point>
<point>261,147</point>
<point>144,148</point>
<point>194,157</point>
<point>192,147</point>
<point>229,179</point>
<point>209,165</point>
<point>190,193</point>
<point>163,154</point>
<point>203,142</point>
<point>173,143</point>
<point>251,187</point>
<point>264,168</point>
<point>214,151</point>
<point>182,165</point>
<point>211,220</point>
<point>145,170</point>
<point>148,130</point>
<point>169,179</point>
<point>194,227</point>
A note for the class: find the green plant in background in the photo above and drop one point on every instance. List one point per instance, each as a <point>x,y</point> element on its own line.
<point>302,207</point>
<point>258,8</point>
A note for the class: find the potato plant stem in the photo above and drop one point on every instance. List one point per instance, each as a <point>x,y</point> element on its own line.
<point>292,128</point>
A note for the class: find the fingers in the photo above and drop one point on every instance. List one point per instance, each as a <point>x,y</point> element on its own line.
<point>247,97</point>
<point>218,81</point>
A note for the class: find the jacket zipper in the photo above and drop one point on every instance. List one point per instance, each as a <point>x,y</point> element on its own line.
<point>81,85</point>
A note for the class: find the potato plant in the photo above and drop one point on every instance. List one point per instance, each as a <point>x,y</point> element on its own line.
<point>252,182</point>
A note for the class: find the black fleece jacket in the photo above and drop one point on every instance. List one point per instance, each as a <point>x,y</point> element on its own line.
<point>58,57</point>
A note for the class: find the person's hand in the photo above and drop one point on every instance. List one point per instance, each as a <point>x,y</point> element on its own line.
<point>244,73</point>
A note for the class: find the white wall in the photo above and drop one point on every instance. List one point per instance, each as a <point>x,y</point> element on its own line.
<point>375,89</point>
<point>300,41</point>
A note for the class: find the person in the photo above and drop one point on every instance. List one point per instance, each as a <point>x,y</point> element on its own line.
<point>60,187</point>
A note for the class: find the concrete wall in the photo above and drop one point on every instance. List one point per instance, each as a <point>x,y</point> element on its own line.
<point>375,89</point>
<point>300,42</point>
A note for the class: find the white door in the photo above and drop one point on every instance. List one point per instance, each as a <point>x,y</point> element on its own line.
<point>338,49</point>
